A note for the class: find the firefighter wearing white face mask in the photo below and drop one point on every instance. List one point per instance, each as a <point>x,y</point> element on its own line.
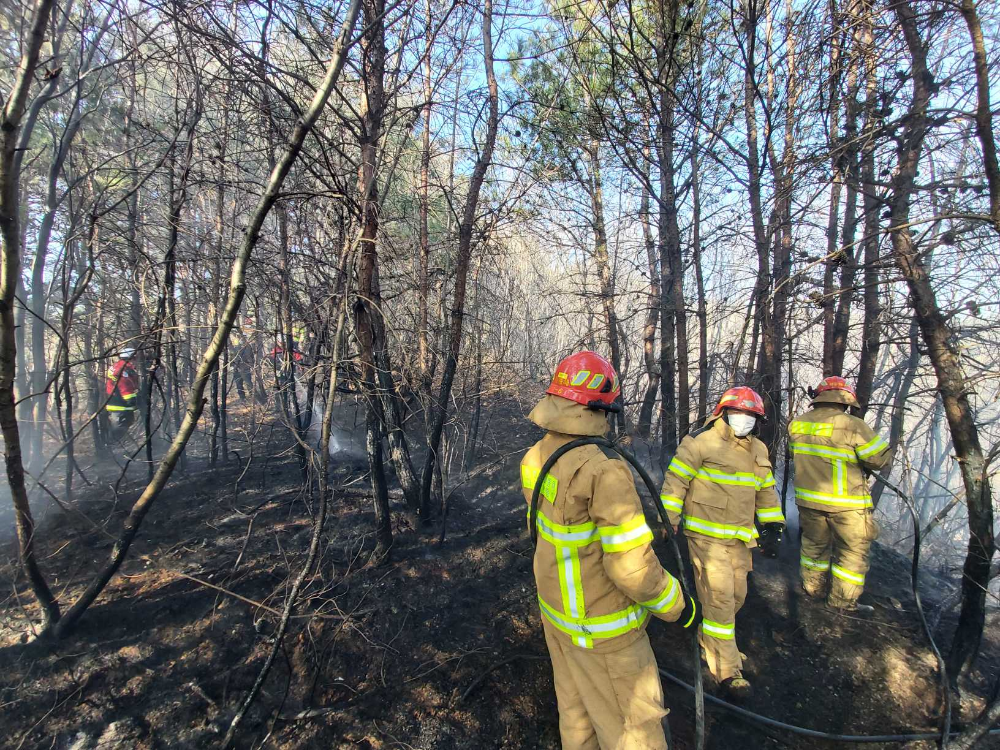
<point>719,477</point>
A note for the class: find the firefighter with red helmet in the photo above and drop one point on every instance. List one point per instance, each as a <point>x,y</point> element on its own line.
<point>122,390</point>
<point>598,579</point>
<point>831,448</point>
<point>718,479</point>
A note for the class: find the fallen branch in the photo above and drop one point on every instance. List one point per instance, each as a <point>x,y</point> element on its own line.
<point>513,657</point>
<point>978,729</point>
<point>261,605</point>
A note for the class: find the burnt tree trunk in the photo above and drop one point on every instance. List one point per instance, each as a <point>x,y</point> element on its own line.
<point>984,111</point>
<point>465,229</point>
<point>944,354</point>
<point>649,326</point>
<point>10,272</point>
<point>369,311</point>
<point>871,331</point>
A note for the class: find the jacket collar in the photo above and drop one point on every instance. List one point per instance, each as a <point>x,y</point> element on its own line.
<point>557,414</point>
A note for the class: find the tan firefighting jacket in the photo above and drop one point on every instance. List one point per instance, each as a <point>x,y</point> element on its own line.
<point>830,447</point>
<point>716,481</point>
<point>597,575</point>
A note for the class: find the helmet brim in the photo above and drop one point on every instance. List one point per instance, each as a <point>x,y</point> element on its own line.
<point>836,397</point>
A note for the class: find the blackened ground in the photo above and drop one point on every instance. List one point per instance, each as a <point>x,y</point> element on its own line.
<point>163,659</point>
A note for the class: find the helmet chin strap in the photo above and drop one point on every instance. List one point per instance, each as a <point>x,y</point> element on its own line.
<point>613,408</point>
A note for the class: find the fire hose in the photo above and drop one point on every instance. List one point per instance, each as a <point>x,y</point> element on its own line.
<point>698,687</point>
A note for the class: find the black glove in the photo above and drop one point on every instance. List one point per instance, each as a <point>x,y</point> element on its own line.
<point>770,538</point>
<point>691,616</point>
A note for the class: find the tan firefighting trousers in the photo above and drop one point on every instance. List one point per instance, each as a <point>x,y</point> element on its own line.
<point>607,701</point>
<point>849,534</point>
<point>720,577</point>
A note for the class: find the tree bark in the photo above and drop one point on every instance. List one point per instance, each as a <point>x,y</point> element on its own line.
<point>847,256</point>
<point>836,188</point>
<point>761,313</point>
<point>668,242</point>
<point>10,272</point>
<point>369,312</point>
<point>775,285</point>
<point>423,282</point>
<point>944,354</point>
<point>871,331</point>
<point>602,260</point>
<point>971,735</point>
<point>649,326</point>
<point>984,111</point>
<point>465,231</point>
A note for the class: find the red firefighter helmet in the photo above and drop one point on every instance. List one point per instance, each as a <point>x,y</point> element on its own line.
<point>587,378</point>
<point>835,390</point>
<point>741,397</point>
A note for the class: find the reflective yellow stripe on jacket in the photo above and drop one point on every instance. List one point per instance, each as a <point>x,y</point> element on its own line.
<point>825,498</point>
<point>770,515</point>
<point>568,541</point>
<point>666,600</point>
<point>719,530</point>
<point>831,450</point>
<point>740,478</point>
<point>529,478</point>
<point>808,449</point>
<point>129,405</point>
<point>821,429</point>
<point>578,535</point>
<point>872,447</point>
<point>585,629</point>
<point>627,536</point>
<point>672,503</point>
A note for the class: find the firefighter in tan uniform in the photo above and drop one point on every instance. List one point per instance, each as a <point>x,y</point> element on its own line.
<point>830,448</point>
<point>718,478</point>
<point>597,575</point>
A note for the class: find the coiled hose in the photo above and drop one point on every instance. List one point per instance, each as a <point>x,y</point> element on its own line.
<point>698,687</point>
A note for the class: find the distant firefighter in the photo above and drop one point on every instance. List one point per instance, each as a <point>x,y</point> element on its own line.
<point>597,575</point>
<point>719,478</point>
<point>830,448</point>
<point>122,388</point>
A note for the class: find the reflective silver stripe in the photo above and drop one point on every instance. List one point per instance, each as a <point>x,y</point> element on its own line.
<point>566,568</point>
<point>718,530</point>
<point>627,619</point>
<point>808,562</point>
<point>672,502</point>
<point>823,498</point>
<point>846,575</point>
<point>614,540</point>
<point>666,601</point>
<point>679,467</point>
<point>721,477</point>
<point>718,629</point>
<point>770,514</point>
<point>808,449</point>
<point>585,536</point>
<point>871,447</point>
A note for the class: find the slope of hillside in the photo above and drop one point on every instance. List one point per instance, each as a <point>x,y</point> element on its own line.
<point>441,648</point>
